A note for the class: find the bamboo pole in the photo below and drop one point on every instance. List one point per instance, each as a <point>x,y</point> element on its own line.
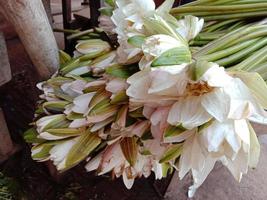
<point>31,23</point>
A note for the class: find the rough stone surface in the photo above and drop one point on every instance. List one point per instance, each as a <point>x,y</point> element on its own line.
<point>5,72</point>
<point>6,145</point>
<point>220,184</point>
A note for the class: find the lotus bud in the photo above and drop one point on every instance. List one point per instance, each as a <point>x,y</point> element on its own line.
<point>93,48</point>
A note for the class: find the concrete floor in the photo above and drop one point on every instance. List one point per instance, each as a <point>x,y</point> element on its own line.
<point>220,184</point>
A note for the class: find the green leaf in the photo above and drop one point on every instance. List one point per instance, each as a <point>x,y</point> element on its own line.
<point>137,40</point>
<point>174,56</point>
<point>129,149</point>
<point>84,146</point>
<point>172,153</point>
<point>30,136</point>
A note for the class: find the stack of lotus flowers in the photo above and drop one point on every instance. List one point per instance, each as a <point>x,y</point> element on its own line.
<point>159,101</point>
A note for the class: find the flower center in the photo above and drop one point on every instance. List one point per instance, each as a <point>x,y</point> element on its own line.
<point>197,89</point>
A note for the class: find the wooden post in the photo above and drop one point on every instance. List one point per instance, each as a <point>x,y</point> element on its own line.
<point>31,23</point>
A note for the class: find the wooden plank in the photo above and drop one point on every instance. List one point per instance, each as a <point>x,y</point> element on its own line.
<point>31,23</point>
<point>5,72</point>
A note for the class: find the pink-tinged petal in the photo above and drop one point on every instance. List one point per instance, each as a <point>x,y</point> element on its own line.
<point>95,83</point>
<point>148,111</point>
<point>112,157</point>
<point>140,128</point>
<point>116,85</point>
<point>159,115</point>
<point>94,163</point>
<point>157,133</point>
<point>155,147</point>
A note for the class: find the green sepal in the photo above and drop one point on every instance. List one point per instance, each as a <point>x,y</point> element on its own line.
<point>173,152</point>
<point>30,136</point>
<point>174,56</point>
<point>83,147</point>
<point>137,40</point>
<point>129,149</point>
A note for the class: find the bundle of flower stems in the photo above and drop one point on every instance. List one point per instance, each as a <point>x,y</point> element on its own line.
<point>222,16</point>
<point>159,101</point>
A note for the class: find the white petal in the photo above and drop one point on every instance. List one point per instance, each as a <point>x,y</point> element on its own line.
<point>216,76</point>
<point>242,130</point>
<point>127,182</point>
<point>189,112</point>
<point>217,104</point>
<point>81,103</point>
<point>77,123</point>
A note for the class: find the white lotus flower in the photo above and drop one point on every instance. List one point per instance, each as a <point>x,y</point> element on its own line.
<point>215,95</point>
<point>129,21</point>
<point>81,103</point>
<point>48,91</point>
<point>189,27</point>
<point>155,45</point>
<point>159,86</point>
<point>48,121</point>
<point>74,88</point>
<point>60,151</point>
<point>112,159</point>
<point>234,143</point>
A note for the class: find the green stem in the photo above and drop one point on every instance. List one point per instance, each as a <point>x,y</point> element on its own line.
<point>82,33</point>
<point>226,8</point>
<point>229,51</point>
<point>262,31</point>
<point>216,26</point>
<point>224,40</point>
<point>252,61</point>
<point>234,16</point>
<point>237,57</point>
